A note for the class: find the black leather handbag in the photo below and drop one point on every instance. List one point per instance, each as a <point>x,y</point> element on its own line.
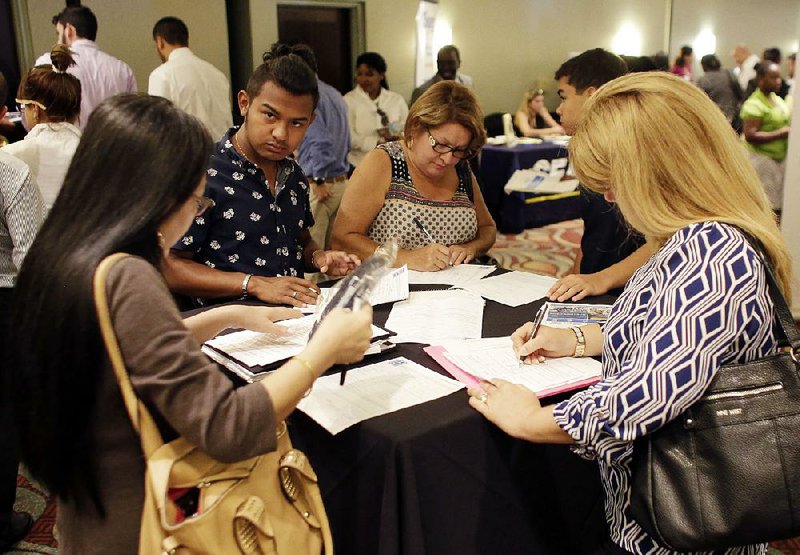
<point>727,471</point>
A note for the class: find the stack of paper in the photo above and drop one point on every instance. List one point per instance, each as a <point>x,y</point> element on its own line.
<point>246,349</point>
<point>454,275</point>
<point>512,288</point>
<point>493,358</point>
<point>434,316</point>
<point>373,390</point>
<point>532,181</point>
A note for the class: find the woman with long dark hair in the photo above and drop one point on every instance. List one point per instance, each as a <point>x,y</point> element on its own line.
<point>135,184</point>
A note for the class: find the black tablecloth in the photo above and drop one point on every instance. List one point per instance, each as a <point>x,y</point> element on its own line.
<point>438,478</point>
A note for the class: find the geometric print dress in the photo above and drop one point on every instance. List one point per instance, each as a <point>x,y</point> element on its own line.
<point>450,222</point>
<point>700,302</point>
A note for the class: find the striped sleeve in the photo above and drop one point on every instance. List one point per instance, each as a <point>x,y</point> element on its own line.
<point>22,215</point>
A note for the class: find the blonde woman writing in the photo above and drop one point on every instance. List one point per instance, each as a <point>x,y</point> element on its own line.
<point>701,301</point>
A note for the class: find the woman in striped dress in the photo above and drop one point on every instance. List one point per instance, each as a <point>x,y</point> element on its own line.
<point>420,190</point>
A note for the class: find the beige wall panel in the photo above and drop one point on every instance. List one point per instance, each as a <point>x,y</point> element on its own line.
<point>125,30</point>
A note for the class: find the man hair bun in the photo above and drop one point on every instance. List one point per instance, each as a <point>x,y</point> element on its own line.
<point>278,50</point>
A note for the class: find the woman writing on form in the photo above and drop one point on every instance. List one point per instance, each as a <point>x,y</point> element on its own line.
<point>699,302</point>
<point>420,190</point>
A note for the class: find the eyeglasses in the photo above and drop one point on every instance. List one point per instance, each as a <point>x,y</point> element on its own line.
<point>441,148</point>
<point>384,117</point>
<point>21,104</point>
<point>203,204</point>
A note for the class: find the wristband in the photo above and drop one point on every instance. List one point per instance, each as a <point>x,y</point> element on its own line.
<point>580,345</point>
<point>245,283</point>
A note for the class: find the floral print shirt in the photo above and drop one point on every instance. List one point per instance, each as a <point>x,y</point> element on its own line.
<point>249,230</point>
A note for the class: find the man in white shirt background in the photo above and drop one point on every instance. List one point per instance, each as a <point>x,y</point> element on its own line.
<point>101,75</point>
<point>745,69</point>
<point>191,83</point>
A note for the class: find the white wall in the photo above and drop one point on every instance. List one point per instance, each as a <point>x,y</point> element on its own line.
<point>508,46</point>
<point>758,25</point>
<point>125,30</point>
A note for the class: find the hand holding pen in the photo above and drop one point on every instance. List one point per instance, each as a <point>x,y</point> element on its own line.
<point>522,336</point>
<point>535,343</point>
<point>423,229</point>
<point>430,258</point>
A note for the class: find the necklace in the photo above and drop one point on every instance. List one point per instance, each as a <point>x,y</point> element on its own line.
<point>240,149</point>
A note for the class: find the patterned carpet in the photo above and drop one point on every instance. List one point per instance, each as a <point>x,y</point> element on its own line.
<point>548,250</point>
<point>33,498</point>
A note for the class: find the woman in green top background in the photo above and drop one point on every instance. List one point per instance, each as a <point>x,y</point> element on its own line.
<point>766,131</point>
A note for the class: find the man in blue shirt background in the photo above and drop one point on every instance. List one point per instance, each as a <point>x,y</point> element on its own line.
<point>323,154</point>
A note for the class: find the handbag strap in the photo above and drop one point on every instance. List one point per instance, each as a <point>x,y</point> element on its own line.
<point>789,337</point>
<point>141,419</point>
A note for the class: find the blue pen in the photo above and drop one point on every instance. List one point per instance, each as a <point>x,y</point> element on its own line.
<point>422,228</point>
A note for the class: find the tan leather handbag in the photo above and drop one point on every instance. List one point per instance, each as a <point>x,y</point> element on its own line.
<point>269,504</point>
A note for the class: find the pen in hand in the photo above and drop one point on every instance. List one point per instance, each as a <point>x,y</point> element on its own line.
<point>537,321</point>
<point>423,229</point>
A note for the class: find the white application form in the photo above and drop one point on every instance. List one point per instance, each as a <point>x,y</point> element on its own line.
<point>431,317</point>
<point>391,287</point>
<point>454,275</point>
<point>253,348</point>
<point>512,288</point>
<point>493,358</point>
<point>373,390</point>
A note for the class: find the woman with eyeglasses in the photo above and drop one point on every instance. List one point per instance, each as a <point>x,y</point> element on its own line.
<point>532,117</point>
<point>420,190</point>
<point>49,100</point>
<point>375,113</point>
<point>125,192</point>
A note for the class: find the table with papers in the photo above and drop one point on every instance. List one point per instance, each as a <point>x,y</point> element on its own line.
<point>436,477</point>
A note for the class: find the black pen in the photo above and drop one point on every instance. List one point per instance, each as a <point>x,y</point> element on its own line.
<point>342,376</point>
<point>537,322</point>
<point>422,228</point>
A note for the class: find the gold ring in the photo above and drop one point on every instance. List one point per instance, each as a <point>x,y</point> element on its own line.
<point>483,397</point>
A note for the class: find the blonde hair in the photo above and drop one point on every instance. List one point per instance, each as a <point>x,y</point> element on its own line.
<point>447,102</point>
<point>524,105</point>
<point>670,158</point>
